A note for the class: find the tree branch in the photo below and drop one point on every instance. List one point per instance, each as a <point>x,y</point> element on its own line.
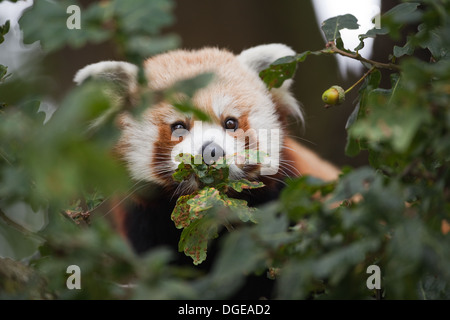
<point>331,48</point>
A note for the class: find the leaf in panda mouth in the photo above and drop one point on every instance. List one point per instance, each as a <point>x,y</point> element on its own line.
<point>192,206</point>
<point>192,211</point>
<point>194,166</point>
<point>194,240</point>
<point>245,184</point>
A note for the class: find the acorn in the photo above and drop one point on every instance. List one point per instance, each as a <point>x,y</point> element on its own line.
<point>334,95</point>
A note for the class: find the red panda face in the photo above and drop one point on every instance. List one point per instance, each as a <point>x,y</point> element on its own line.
<point>243,113</point>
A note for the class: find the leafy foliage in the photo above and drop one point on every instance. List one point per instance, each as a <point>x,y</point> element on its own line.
<point>190,210</point>
<point>316,241</point>
<point>283,69</point>
<point>331,27</point>
<point>101,21</point>
<point>386,216</point>
<point>4,29</point>
<point>391,22</point>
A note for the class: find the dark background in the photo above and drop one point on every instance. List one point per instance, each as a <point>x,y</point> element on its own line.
<point>237,25</point>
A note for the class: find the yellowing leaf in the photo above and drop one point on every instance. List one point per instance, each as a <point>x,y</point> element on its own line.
<point>194,239</point>
<point>180,214</point>
<point>245,184</point>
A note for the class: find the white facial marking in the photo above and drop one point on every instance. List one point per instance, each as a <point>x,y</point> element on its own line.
<point>219,104</point>
<point>174,115</point>
<point>140,137</point>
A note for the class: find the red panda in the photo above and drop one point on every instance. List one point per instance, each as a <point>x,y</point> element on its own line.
<point>238,103</point>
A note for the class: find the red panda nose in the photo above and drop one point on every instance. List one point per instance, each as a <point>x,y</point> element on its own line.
<point>211,152</point>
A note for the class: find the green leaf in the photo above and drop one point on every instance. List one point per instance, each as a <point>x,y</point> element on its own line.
<point>211,175</point>
<point>3,72</point>
<point>283,69</point>
<point>353,145</point>
<point>353,182</point>
<point>15,244</point>
<point>239,257</point>
<point>372,33</point>
<point>331,27</point>
<point>194,206</point>
<point>433,39</point>
<point>399,128</point>
<point>407,49</point>
<point>297,198</point>
<point>194,238</point>
<point>4,29</point>
<point>402,13</point>
<point>434,288</point>
<point>279,71</point>
<point>240,208</point>
<point>394,116</point>
<point>46,20</point>
<point>242,184</point>
<point>197,206</point>
<point>204,200</point>
<point>333,265</point>
<point>396,17</point>
<point>138,13</point>
<point>183,172</point>
<point>181,213</point>
<point>218,172</point>
<point>353,117</point>
<point>139,23</point>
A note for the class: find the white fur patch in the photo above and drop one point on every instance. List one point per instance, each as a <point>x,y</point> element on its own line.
<point>121,71</point>
<point>287,99</point>
<point>140,137</point>
<point>174,115</point>
<point>263,120</point>
<point>219,104</point>
<point>260,57</point>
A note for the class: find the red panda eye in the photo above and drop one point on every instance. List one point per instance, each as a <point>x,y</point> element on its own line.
<point>231,124</point>
<point>178,126</point>
<point>179,129</point>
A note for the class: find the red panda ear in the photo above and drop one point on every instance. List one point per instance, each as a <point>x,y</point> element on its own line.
<point>122,74</point>
<point>259,58</point>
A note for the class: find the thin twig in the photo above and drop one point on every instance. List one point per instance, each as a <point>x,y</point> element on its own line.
<point>360,80</point>
<point>331,48</point>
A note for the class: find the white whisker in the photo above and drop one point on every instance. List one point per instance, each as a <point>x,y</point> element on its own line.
<point>275,179</point>
<point>293,169</point>
<point>127,196</point>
